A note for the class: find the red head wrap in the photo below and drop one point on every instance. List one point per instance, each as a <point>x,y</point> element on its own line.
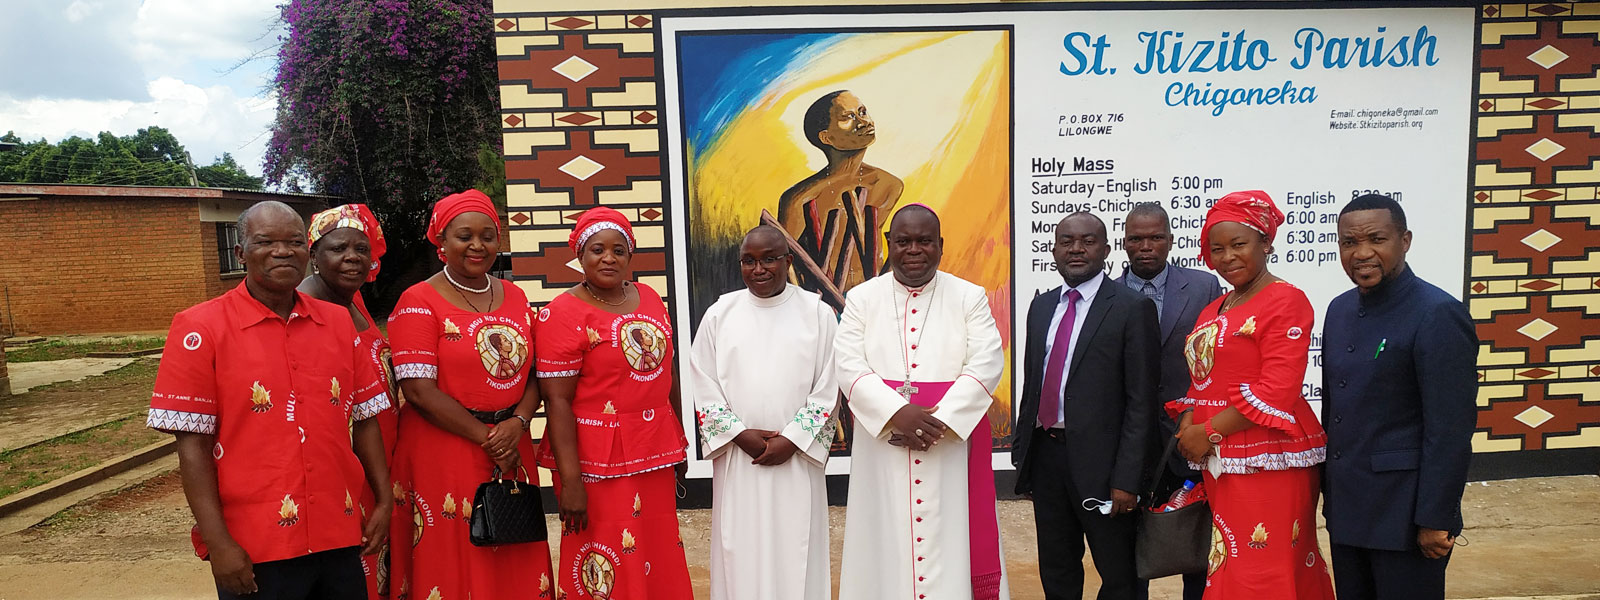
<point>1253,208</point>
<point>455,205</point>
<point>594,221</point>
<point>354,216</point>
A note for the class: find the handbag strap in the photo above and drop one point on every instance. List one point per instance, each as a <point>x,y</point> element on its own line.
<point>1148,499</point>
<point>495,475</point>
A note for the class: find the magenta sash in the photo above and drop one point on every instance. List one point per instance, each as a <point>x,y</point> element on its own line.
<point>983,526</point>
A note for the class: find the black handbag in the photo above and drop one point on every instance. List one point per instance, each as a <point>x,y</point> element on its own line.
<point>507,511</point>
<point>1171,543</point>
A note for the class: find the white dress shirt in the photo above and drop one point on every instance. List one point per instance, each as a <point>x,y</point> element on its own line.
<point>1087,291</point>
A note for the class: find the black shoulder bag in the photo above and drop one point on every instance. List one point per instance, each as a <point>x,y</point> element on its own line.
<point>1175,542</point>
<point>507,511</point>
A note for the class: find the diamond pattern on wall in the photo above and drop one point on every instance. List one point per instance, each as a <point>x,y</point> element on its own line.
<point>1534,266</point>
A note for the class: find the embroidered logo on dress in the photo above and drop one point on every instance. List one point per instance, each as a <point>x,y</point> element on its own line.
<point>1294,333</point>
<point>1200,350</point>
<point>216,451</point>
<point>449,508</point>
<point>1258,538</point>
<point>451,331</point>
<point>502,349</point>
<point>334,391</point>
<point>644,345</point>
<point>260,398</point>
<point>289,514</point>
<point>191,341</point>
<point>544,315</point>
<point>596,572</point>
<point>1248,328</point>
<point>627,542</point>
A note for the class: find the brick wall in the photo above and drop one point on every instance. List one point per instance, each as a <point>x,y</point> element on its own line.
<point>92,265</point>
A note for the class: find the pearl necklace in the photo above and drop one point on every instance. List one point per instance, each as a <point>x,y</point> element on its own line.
<point>489,285</point>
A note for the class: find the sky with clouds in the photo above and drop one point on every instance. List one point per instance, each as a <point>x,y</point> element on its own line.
<point>79,67</point>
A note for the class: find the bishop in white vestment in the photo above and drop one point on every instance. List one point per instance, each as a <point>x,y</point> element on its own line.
<point>762,380</point>
<point>921,523</point>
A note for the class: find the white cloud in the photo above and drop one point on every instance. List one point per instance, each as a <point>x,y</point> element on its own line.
<point>208,121</point>
<point>80,10</point>
<point>99,65</point>
<point>168,33</point>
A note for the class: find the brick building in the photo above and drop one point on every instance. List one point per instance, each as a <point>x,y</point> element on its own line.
<point>98,259</point>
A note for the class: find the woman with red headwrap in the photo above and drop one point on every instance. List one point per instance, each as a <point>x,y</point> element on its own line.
<point>614,439</point>
<point>346,246</point>
<point>1245,423</point>
<point>462,353</point>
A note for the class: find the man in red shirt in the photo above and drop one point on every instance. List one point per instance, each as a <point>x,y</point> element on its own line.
<point>260,386</point>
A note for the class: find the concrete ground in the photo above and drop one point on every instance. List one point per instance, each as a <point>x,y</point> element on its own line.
<point>29,375</point>
<point>1528,538</point>
<point>27,419</point>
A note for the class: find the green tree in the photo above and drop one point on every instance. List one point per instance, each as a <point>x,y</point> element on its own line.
<point>386,102</point>
<point>225,173</point>
<point>151,156</point>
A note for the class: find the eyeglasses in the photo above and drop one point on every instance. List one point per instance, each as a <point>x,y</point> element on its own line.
<point>768,262</point>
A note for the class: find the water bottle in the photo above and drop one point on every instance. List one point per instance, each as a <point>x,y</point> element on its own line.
<point>1179,498</point>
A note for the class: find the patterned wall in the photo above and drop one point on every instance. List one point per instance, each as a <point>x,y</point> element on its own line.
<point>1534,268</point>
<point>581,101</point>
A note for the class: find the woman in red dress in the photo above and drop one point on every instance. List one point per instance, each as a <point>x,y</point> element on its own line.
<point>614,437</point>
<point>1246,419</point>
<point>466,416</point>
<point>346,246</point>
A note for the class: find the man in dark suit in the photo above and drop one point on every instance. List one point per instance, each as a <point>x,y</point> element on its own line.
<point>1179,294</point>
<point>1087,416</point>
<point>1400,387</point>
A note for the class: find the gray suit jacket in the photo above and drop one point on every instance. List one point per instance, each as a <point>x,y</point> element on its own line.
<point>1188,291</point>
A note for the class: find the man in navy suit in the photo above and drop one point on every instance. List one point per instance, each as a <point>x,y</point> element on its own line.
<point>1179,294</point>
<point>1399,402</point>
<point>1087,416</point>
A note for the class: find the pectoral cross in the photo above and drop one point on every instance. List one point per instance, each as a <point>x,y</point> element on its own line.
<point>906,390</point>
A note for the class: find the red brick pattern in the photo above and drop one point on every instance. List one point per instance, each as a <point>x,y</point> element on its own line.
<point>102,265</point>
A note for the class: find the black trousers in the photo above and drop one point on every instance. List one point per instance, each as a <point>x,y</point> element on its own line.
<point>1367,574</point>
<point>326,575</point>
<point>1063,525</point>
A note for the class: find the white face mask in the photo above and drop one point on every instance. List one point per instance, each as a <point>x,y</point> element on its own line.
<point>1096,504</point>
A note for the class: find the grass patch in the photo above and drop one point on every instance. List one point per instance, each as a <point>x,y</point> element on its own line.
<point>64,349</point>
<point>43,463</point>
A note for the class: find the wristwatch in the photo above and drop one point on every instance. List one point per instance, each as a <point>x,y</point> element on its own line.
<point>524,420</point>
<point>1212,435</point>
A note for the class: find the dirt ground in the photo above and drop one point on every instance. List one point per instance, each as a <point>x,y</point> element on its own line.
<point>1527,538</point>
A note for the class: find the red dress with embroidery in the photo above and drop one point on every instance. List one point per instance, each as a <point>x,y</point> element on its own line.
<point>437,473</point>
<point>374,351</point>
<point>628,438</point>
<point>1264,526</point>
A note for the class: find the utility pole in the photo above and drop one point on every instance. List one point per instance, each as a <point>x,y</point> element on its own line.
<point>193,180</point>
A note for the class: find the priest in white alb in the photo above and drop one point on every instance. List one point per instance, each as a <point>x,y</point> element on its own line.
<point>918,357</point>
<point>762,379</point>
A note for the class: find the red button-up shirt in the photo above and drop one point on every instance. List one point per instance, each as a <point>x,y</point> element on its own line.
<point>279,396</point>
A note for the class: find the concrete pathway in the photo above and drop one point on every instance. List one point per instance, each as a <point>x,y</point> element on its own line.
<point>29,375</point>
<point>26,419</point>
